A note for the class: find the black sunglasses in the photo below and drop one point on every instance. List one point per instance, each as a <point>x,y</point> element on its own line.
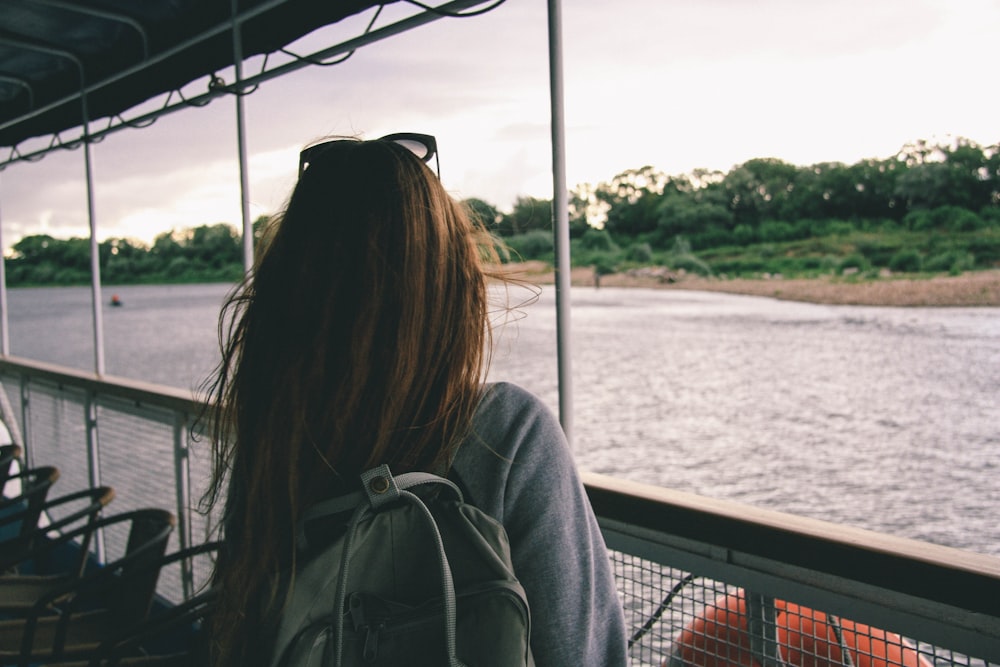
<point>424,146</point>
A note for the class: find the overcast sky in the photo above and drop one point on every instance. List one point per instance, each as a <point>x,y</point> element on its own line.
<point>677,84</point>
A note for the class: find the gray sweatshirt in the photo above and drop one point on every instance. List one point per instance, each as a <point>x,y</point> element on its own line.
<point>517,468</point>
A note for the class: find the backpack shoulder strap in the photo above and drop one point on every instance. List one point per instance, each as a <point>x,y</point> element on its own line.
<point>379,488</point>
<point>410,480</point>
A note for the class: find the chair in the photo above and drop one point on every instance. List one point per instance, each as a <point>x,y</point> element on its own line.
<point>34,487</point>
<point>28,535</point>
<point>149,531</point>
<point>175,637</point>
<point>186,620</point>
<point>107,619</point>
<point>8,455</point>
<point>32,490</point>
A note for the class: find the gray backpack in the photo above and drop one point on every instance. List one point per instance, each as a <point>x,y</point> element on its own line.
<point>413,580</point>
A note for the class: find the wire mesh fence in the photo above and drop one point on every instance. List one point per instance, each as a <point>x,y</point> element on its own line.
<point>679,619</point>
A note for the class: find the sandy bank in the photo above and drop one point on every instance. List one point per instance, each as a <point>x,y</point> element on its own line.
<point>977,288</point>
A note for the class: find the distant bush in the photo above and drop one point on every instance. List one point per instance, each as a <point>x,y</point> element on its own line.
<point>641,253</point>
<point>599,240</point>
<point>946,218</point>
<point>854,261</point>
<point>887,226</point>
<point>838,228</point>
<point>537,244</point>
<point>604,264</point>
<point>776,231</point>
<point>986,248</point>
<point>906,260</point>
<point>681,257</point>
<point>990,215</point>
<point>957,219</point>
<point>878,250</point>
<point>744,234</point>
<point>952,261</point>
<point>918,220</point>
<point>712,237</point>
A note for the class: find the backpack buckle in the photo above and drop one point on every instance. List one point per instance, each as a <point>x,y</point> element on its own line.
<point>380,486</point>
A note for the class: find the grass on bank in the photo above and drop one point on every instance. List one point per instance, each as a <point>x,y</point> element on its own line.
<point>856,255</point>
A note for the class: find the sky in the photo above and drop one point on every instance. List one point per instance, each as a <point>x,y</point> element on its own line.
<point>676,84</point>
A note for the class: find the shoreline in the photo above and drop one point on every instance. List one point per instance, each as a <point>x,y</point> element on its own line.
<point>970,289</point>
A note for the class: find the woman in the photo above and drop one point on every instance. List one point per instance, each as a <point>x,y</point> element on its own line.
<point>362,338</point>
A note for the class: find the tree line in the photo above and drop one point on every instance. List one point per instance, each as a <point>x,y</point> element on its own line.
<point>930,207</point>
<point>207,253</point>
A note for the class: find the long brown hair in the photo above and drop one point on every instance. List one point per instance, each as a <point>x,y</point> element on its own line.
<point>360,338</point>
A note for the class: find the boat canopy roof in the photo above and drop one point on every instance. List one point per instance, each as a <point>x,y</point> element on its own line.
<point>64,63</point>
<point>67,64</point>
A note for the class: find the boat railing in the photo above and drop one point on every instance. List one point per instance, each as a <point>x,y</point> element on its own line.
<point>703,581</point>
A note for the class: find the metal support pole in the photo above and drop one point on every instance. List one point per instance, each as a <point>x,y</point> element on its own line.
<point>182,485</point>
<point>763,630</point>
<point>242,144</point>
<point>29,451</point>
<point>90,416</point>
<point>4,320</point>
<point>95,257</point>
<point>94,461</point>
<point>560,219</point>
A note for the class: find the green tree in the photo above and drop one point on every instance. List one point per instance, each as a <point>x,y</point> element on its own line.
<point>687,216</point>
<point>958,174</point>
<point>971,183</point>
<point>924,186</point>
<point>631,199</point>
<point>529,214</point>
<point>875,189</point>
<point>486,212</point>
<point>166,247</point>
<point>759,189</point>
<point>123,260</point>
<point>41,259</point>
<point>214,246</point>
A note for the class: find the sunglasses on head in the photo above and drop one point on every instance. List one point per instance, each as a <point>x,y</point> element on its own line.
<point>424,146</point>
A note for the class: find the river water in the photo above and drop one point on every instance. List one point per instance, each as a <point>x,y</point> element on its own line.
<point>883,418</point>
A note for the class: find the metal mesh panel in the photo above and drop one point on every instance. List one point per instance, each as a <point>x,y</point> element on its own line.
<point>677,619</point>
<point>57,431</point>
<point>136,447</point>
<point>137,459</point>
<point>137,456</point>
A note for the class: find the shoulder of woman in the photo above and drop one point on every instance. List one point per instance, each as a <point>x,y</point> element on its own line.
<point>515,424</point>
<point>506,400</point>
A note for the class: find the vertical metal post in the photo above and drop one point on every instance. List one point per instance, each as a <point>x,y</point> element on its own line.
<point>95,257</point>
<point>90,409</point>
<point>182,485</point>
<point>29,456</point>
<point>4,331</point>
<point>560,219</point>
<point>762,627</point>
<point>93,460</point>
<point>241,143</point>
